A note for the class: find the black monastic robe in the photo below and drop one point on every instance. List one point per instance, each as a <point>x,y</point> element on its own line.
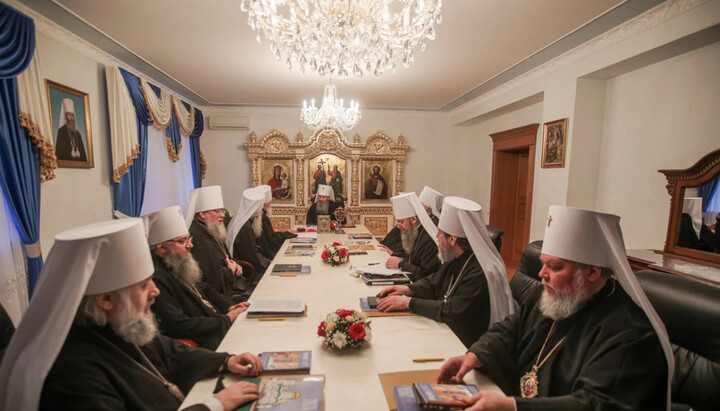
<point>312,213</point>
<point>245,248</point>
<point>97,370</point>
<point>393,241</point>
<point>181,313</point>
<point>467,309</point>
<point>423,258</point>
<point>210,255</point>
<point>271,240</point>
<point>611,358</point>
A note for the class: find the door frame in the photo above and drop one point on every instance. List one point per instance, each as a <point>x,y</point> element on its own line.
<point>515,139</point>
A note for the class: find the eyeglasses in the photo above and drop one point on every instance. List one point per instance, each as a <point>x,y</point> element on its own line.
<point>182,242</point>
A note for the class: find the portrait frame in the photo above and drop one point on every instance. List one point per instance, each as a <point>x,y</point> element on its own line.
<point>554,143</point>
<point>267,170</point>
<point>387,174</point>
<point>332,160</point>
<point>70,154</point>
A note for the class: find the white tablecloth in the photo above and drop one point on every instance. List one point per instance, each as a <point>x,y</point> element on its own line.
<point>351,378</point>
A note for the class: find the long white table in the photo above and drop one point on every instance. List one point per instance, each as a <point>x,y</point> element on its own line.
<point>351,377</point>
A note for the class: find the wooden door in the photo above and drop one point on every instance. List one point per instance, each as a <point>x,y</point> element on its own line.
<point>511,192</point>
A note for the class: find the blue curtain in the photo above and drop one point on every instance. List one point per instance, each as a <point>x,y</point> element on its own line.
<point>173,132</point>
<point>128,194</point>
<point>19,159</point>
<point>706,191</point>
<point>195,148</point>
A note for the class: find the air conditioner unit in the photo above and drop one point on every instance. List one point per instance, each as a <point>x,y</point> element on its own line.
<point>228,123</point>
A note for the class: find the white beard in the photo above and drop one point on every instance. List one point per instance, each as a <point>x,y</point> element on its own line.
<point>323,208</point>
<point>134,328</point>
<point>218,231</point>
<point>445,254</point>
<point>408,239</point>
<point>257,223</point>
<point>184,268</point>
<point>567,301</point>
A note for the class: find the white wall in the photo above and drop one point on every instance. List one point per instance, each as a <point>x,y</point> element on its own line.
<point>664,116</point>
<point>77,195</point>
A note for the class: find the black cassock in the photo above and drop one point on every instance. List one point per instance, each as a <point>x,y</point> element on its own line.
<point>611,358</point>
<point>393,241</point>
<point>423,259</point>
<point>271,240</point>
<point>182,314</point>
<point>467,309</point>
<point>218,280</point>
<point>245,248</point>
<point>312,213</point>
<point>97,370</point>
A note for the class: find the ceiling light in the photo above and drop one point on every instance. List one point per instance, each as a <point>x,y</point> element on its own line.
<point>331,113</point>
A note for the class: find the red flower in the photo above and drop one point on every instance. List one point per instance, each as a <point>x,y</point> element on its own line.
<point>321,329</point>
<point>335,244</point>
<point>325,255</point>
<point>356,331</point>
<point>344,313</point>
<point>343,252</point>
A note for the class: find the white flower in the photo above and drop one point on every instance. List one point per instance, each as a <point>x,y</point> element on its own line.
<point>349,319</point>
<point>339,340</point>
<point>368,333</point>
<point>332,317</point>
<point>329,326</point>
<point>362,316</point>
<point>336,258</point>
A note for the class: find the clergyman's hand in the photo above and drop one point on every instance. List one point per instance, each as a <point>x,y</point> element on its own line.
<point>394,290</point>
<point>489,401</point>
<point>243,305</point>
<point>453,371</point>
<point>245,365</point>
<point>393,262</point>
<point>383,247</point>
<point>394,303</point>
<point>237,394</point>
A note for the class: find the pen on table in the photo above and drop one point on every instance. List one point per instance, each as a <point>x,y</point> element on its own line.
<point>373,263</point>
<point>428,359</point>
<point>272,319</point>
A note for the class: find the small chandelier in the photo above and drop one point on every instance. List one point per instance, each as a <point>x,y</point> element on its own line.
<point>331,113</point>
<point>342,36</point>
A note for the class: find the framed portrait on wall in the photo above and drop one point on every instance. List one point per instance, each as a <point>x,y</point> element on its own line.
<point>554,144</point>
<point>328,169</point>
<point>70,121</point>
<point>278,174</point>
<point>376,177</point>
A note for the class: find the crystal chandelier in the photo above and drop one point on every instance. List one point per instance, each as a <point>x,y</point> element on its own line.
<point>331,113</point>
<point>342,36</point>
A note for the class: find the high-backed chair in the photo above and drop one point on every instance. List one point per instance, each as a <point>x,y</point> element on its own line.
<point>525,284</point>
<point>7,329</point>
<point>690,310</point>
<point>495,234</point>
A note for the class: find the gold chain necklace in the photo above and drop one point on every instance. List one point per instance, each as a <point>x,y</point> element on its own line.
<point>529,382</point>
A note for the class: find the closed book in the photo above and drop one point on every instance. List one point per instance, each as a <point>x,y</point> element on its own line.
<point>286,362</point>
<point>287,268</point>
<point>374,279</point>
<point>276,308</point>
<point>443,396</point>
<point>405,398</point>
<point>285,393</point>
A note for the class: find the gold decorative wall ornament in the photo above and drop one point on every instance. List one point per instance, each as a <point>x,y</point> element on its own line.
<point>368,173</point>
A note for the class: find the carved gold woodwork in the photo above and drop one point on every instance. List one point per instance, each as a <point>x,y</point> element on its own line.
<point>378,147</point>
<point>280,223</point>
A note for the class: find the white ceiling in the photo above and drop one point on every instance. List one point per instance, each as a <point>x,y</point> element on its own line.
<point>208,51</point>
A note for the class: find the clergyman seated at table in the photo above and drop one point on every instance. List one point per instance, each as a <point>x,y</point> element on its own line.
<point>431,200</point>
<point>323,205</point>
<point>270,240</point>
<point>245,228</point>
<point>205,214</point>
<point>470,290</point>
<point>420,257</point>
<point>593,341</point>
<point>91,326</point>
<point>182,311</point>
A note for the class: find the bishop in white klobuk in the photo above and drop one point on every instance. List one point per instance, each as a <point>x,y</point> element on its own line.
<point>432,200</point>
<point>418,238</point>
<point>270,240</point>
<point>88,340</point>
<point>593,341</point>
<point>246,227</point>
<point>470,290</point>
<point>205,216</point>
<point>323,205</point>
<point>181,308</point>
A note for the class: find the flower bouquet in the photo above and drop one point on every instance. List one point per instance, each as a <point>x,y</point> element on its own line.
<point>345,329</point>
<point>335,254</point>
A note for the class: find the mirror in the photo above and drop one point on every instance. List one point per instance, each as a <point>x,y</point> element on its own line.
<point>693,229</point>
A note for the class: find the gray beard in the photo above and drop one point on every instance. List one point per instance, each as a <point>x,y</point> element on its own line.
<point>218,231</point>
<point>133,328</point>
<point>566,302</point>
<point>257,223</point>
<point>184,268</point>
<point>323,208</point>
<point>408,239</point>
<point>445,254</point>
